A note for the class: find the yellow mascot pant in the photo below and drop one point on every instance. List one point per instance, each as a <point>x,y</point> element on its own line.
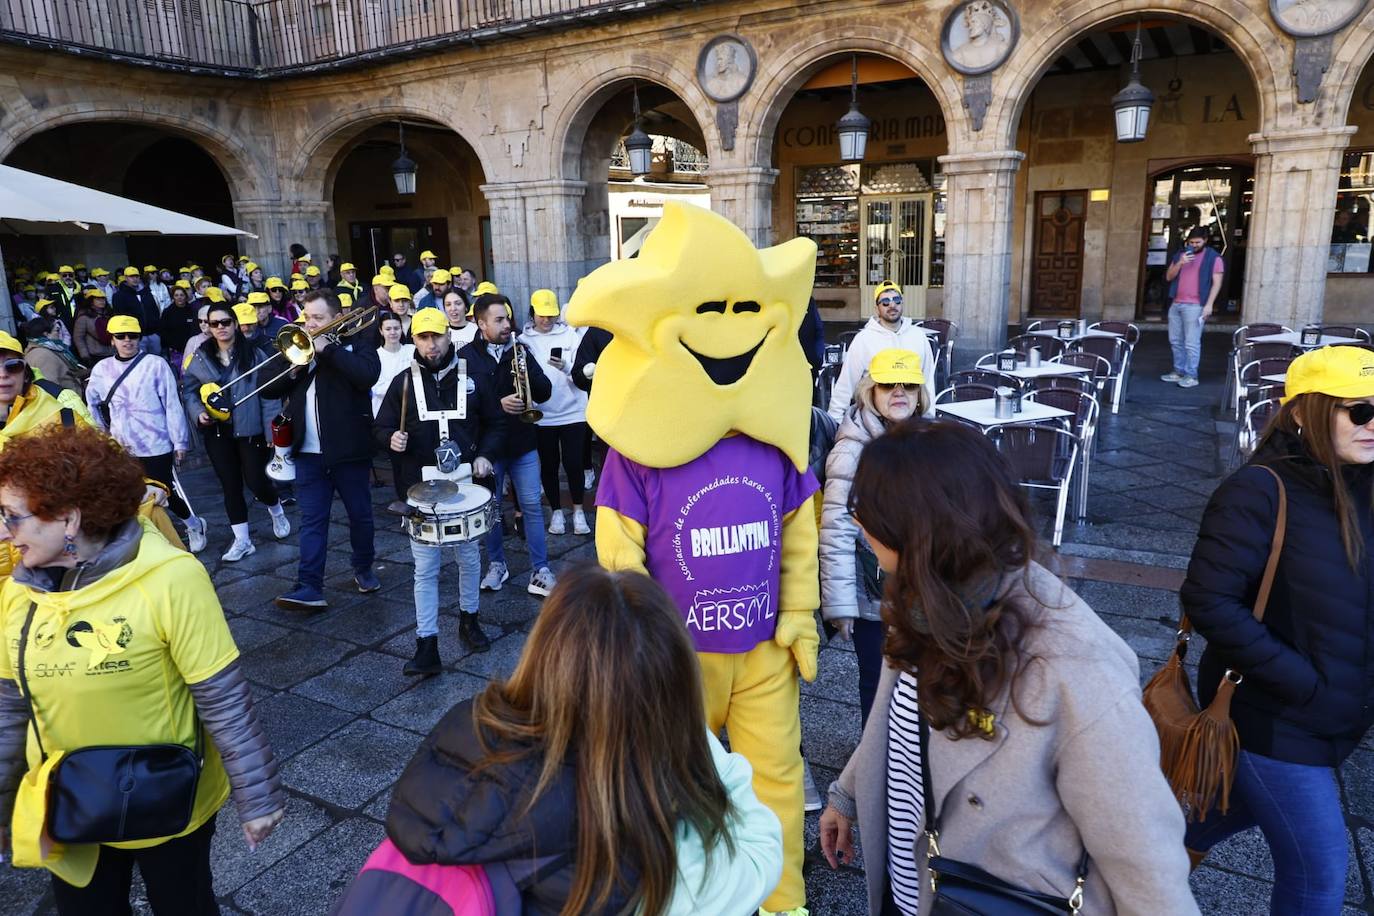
<point>755,697</point>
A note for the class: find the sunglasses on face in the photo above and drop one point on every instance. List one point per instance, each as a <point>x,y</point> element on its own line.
<point>889,386</point>
<point>126,335</point>
<point>221,323</point>
<point>1361,413</point>
<point>890,300</point>
<point>13,366</point>
<point>398,259</point>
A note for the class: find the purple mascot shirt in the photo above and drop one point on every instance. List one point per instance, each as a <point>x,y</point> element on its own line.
<point>713,533</point>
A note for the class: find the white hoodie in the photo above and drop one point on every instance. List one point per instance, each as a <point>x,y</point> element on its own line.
<point>868,343</point>
<point>568,403</point>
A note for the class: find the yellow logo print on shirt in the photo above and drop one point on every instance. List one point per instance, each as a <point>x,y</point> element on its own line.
<point>101,639</point>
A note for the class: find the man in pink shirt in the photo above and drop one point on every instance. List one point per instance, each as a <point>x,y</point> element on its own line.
<point>1194,278</point>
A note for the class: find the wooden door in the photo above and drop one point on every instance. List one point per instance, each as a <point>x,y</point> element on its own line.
<point>1057,265</point>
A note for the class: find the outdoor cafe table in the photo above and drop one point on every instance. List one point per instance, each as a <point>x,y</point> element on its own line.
<point>1091,332</point>
<point>1044,370</point>
<point>1294,338</point>
<point>983,413</point>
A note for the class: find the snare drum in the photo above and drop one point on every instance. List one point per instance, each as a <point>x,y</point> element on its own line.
<point>456,519</point>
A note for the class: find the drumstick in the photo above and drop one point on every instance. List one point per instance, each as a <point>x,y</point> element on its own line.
<point>405,396</point>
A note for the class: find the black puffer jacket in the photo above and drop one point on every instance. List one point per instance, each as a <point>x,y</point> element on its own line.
<point>443,813</point>
<point>1308,669</point>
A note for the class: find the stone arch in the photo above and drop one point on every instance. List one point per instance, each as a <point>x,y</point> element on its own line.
<point>766,101</point>
<point>1243,27</point>
<point>236,161</point>
<point>575,117</point>
<point>312,168</point>
<point>1351,57</point>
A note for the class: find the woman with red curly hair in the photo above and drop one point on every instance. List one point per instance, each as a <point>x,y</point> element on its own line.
<point>134,626</point>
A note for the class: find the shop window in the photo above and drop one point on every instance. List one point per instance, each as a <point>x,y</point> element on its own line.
<point>1350,241</point>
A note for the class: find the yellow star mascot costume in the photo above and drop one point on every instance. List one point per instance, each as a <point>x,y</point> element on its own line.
<point>704,398</point>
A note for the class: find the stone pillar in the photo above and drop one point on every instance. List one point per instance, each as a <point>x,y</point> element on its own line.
<point>280,223</point>
<point>745,197</point>
<point>978,236</point>
<point>534,236</point>
<point>1296,174</point>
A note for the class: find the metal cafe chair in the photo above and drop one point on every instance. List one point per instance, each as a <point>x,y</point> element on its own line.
<point>1126,329</point>
<point>1101,369</point>
<point>1251,429</point>
<point>945,333</point>
<point>1042,458</point>
<point>1083,424</point>
<point>1251,376</point>
<point>967,391</point>
<point>1345,330</point>
<point>1079,383</point>
<point>1241,337</point>
<point>1116,352</point>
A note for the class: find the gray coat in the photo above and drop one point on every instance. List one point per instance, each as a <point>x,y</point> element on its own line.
<point>1023,804</point>
<point>842,594</point>
<point>254,417</point>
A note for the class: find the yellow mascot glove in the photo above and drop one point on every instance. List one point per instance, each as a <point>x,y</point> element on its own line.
<point>796,630</point>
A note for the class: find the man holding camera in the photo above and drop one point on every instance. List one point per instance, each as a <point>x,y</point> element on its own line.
<point>1194,278</point>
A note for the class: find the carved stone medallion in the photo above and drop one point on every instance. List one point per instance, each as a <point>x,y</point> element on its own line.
<point>979,35</point>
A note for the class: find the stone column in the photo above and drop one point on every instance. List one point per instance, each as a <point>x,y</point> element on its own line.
<point>280,223</point>
<point>745,197</point>
<point>1296,174</point>
<point>534,236</point>
<point>980,192</point>
<point>509,244</point>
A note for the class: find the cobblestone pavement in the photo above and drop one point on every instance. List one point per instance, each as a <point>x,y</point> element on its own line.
<point>344,721</point>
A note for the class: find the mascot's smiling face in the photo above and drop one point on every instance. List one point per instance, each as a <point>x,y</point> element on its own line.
<point>705,342</point>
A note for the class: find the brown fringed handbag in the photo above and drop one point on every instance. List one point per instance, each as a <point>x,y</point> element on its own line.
<point>1198,747</point>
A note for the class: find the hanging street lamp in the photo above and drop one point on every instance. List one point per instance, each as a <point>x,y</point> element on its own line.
<point>853,127</point>
<point>639,146</point>
<point>403,169</point>
<point>1133,103</point>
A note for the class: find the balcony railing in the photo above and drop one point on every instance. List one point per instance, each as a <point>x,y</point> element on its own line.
<point>273,37</point>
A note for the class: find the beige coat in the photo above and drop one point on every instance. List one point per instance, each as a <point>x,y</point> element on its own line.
<point>1024,804</point>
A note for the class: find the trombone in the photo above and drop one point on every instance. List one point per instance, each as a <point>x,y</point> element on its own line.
<point>297,347</point>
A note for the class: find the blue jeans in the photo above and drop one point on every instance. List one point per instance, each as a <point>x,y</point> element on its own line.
<point>1298,809</point>
<point>315,489</point>
<point>428,558</point>
<point>524,470</point>
<point>1185,336</point>
<point>868,646</point>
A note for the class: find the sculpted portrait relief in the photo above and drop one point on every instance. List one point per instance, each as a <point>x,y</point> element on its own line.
<point>726,68</point>
<point>1308,18</point>
<point>979,35</point>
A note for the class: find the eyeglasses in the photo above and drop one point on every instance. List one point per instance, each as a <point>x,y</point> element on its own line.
<point>1361,412</point>
<point>11,522</point>
<point>221,323</point>
<point>398,259</point>
<point>14,366</point>
<point>890,300</point>
<point>905,386</point>
<point>126,336</point>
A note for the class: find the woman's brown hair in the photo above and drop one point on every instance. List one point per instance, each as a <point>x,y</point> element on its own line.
<point>1318,417</point>
<point>939,495</point>
<point>609,682</point>
<point>60,468</point>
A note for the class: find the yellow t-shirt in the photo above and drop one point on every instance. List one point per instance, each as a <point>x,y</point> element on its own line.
<point>109,663</point>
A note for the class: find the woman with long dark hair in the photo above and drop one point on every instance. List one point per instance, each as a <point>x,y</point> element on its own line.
<point>239,446</point>
<point>1004,689</point>
<point>591,770</point>
<point>1306,693</point>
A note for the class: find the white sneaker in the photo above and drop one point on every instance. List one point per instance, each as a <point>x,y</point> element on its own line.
<point>542,582</point>
<point>1187,382</point>
<point>281,526</point>
<point>811,799</point>
<point>238,550</point>
<point>580,525</point>
<point>195,534</point>
<point>556,524</point>
<point>1170,377</point>
<point>496,576</point>
<point>589,478</point>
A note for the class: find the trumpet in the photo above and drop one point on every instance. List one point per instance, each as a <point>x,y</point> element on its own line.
<point>520,369</point>
<point>294,344</point>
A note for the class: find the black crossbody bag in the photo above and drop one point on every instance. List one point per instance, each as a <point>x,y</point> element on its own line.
<point>103,405</point>
<point>115,794</point>
<point>961,889</point>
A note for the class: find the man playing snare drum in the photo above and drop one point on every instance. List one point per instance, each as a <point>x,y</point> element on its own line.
<point>431,385</point>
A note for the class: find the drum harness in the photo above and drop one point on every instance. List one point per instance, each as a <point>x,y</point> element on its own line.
<point>447,456</point>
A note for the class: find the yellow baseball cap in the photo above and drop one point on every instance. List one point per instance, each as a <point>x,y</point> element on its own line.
<point>258,299</point>
<point>299,285</point>
<point>275,283</point>
<point>346,265</point>
<point>79,266</point>
<point>429,321</point>
<point>441,276</point>
<point>193,268</point>
<point>298,276</point>
<point>66,269</point>
<point>128,271</point>
<point>124,324</point>
<point>545,303</point>
<point>1338,372</point>
<point>486,286</point>
<point>243,258</point>
<point>455,270</point>
<point>185,270</point>
<point>896,367</point>
<point>214,294</point>
<point>250,267</point>
<point>7,342</point>
<point>399,291</point>
<point>312,271</point>
<point>183,284</point>
<point>43,303</point>
<point>886,286</point>
<point>245,313</point>
<point>428,254</point>
<point>387,269</point>
<point>381,280</point>
<point>150,268</point>
<point>94,293</point>
<point>100,272</point>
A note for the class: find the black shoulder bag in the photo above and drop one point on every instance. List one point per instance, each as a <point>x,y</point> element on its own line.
<point>104,405</point>
<point>115,794</point>
<point>961,889</point>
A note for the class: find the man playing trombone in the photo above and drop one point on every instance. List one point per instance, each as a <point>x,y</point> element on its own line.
<point>329,401</point>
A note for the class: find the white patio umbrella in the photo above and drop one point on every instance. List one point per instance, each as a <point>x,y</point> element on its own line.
<point>32,204</point>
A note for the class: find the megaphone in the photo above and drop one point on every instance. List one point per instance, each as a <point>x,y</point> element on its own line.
<point>282,467</point>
